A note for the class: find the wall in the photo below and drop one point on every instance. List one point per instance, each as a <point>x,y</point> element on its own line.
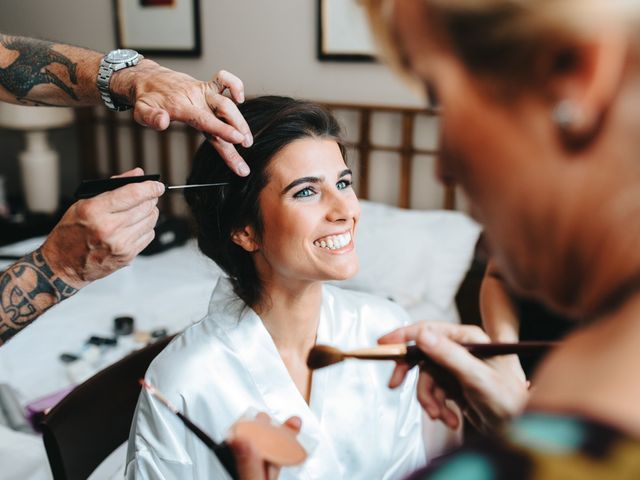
<point>270,44</point>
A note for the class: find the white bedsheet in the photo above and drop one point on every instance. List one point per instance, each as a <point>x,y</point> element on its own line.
<point>169,290</point>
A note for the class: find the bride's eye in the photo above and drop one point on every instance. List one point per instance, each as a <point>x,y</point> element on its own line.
<point>342,184</point>
<point>305,192</point>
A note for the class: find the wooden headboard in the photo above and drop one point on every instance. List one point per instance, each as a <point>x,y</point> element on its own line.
<point>111,143</point>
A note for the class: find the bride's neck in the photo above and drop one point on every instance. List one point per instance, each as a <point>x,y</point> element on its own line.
<point>291,314</point>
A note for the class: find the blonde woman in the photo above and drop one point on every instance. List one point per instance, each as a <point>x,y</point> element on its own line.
<point>539,102</point>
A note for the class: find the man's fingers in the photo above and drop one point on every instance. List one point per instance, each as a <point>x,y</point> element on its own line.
<point>209,124</point>
<point>134,172</point>
<point>142,242</point>
<point>152,117</point>
<point>230,156</point>
<point>128,196</point>
<point>125,243</point>
<point>225,109</point>
<point>138,213</point>
<point>224,80</point>
<point>142,226</point>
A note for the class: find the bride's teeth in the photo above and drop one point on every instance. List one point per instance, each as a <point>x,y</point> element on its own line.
<point>335,242</point>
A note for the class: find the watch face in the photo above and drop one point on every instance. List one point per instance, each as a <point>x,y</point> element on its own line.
<point>121,55</point>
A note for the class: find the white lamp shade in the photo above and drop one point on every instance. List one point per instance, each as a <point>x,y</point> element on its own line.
<point>21,117</point>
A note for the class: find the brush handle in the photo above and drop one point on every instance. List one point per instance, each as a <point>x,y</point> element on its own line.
<point>486,350</point>
<point>91,188</point>
<point>221,450</point>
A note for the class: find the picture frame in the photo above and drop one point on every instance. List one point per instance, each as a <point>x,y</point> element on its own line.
<point>159,27</point>
<point>343,32</point>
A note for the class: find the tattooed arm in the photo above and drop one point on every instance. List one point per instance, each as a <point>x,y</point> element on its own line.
<point>27,289</point>
<point>95,238</point>
<point>37,72</point>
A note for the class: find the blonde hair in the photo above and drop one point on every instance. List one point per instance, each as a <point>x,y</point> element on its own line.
<point>504,40</point>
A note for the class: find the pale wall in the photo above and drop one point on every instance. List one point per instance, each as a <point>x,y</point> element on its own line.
<point>270,44</point>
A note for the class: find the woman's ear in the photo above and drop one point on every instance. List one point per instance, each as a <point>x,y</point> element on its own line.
<point>584,83</point>
<point>246,238</point>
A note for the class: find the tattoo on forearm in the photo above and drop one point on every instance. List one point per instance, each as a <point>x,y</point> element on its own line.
<point>32,67</point>
<point>27,289</point>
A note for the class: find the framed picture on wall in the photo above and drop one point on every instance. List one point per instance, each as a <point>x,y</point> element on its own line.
<point>343,32</point>
<point>159,27</point>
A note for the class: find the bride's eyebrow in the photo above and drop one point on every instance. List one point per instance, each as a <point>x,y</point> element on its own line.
<point>301,180</point>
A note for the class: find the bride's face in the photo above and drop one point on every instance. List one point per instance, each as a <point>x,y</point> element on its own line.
<point>310,213</point>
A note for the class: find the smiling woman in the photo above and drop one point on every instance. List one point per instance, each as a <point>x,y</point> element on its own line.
<point>279,234</point>
<point>309,175</point>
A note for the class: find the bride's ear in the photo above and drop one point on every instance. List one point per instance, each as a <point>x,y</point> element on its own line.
<point>584,91</point>
<point>246,238</point>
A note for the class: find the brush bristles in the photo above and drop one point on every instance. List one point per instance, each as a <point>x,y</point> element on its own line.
<point>323,356</point>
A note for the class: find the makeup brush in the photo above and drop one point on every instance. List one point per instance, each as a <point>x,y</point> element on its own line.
<point>276,444</point>
<point>324,355</point>
<point>221,450</point>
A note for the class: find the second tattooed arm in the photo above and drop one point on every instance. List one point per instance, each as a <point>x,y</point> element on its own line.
<point>38,72</point>
<point>28,288</point>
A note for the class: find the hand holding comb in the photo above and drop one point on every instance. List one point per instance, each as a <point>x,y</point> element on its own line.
<point>324,355</point>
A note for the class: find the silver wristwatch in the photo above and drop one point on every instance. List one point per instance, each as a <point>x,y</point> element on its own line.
<point>112,62</point>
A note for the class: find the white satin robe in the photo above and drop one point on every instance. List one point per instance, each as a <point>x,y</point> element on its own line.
<point>355,427</point>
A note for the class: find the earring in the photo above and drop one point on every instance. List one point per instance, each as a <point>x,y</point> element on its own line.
<point>566,115</point>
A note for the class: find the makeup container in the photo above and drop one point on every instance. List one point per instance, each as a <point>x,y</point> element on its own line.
<point>123,325</point>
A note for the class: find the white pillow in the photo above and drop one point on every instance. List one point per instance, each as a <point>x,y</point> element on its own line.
<point>413,256</point>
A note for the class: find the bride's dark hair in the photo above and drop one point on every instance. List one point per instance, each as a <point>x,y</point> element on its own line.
<point>275,122</point>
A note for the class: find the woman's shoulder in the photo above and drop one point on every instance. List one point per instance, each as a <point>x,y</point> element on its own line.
<point>190,351</point>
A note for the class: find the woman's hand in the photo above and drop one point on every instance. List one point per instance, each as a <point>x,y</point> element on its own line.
<point>489,392</point>
<point>250,465</point>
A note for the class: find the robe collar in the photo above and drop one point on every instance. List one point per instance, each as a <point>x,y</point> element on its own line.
<point>250,340</point>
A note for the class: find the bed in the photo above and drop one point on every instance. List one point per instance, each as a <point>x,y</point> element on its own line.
<point>406,209</point>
